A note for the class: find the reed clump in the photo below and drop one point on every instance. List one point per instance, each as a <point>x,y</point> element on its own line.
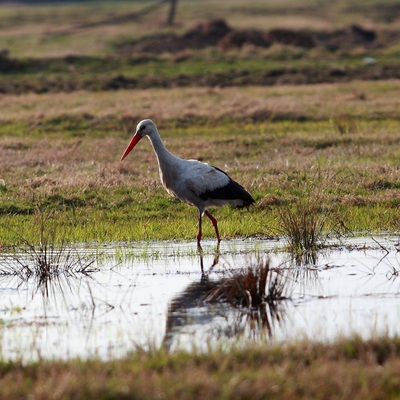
<point>304,225</point>
<point>307,223</point>
<point>252,286</point>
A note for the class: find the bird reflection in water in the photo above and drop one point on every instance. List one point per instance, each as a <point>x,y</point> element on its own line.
<point>249,301</point>
<point>214,263</point>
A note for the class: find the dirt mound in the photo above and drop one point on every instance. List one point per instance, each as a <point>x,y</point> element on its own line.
<point>294,38</point>
<point>217,33</point>
<point>206,34</point>
<point>265,39</point>
<point>237,39</point>
<point>350,37</point>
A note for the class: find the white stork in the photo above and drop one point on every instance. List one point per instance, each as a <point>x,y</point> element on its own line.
<point>194,182</point>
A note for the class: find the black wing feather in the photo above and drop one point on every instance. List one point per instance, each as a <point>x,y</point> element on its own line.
<point>231,191</point>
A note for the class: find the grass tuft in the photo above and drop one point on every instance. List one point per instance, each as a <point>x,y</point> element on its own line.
<point>304,225</point>
<point>45,261</point>
<point>307,223</point>
<point>252,286</point>
<point>258,291</point>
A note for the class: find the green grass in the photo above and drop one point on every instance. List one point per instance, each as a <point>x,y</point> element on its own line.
<point>107,217</point>
<point>158,219</point>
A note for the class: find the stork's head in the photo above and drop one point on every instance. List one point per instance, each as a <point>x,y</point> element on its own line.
<point>145,127</point>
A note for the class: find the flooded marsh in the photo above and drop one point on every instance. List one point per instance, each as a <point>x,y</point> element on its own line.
<point>147,295</point>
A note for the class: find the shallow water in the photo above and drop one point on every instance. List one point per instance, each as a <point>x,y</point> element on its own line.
<point>148,294</point>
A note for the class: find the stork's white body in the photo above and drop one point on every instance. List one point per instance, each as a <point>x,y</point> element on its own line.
<point>194,182</point>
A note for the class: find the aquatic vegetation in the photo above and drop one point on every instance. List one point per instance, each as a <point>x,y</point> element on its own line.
<point>305,223</point>
<point>252,286</point>
<point>47,259</point>
<point>311,218</point>
<point>304,226</point>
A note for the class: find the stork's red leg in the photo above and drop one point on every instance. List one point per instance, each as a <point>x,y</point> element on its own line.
<point>199,234</point>
<point>215,224</point>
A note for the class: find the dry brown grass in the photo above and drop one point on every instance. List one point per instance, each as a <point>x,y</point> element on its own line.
<point>349,369</point>
<point>267,154</point>
<point>315,102</point>
<point>59,165</point>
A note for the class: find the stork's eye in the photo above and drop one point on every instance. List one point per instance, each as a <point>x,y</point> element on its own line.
<point>141,129</point>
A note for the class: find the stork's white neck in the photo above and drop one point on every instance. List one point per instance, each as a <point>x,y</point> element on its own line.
<point>164,157</point>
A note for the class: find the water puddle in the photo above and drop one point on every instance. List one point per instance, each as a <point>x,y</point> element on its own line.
<point>148,294</point>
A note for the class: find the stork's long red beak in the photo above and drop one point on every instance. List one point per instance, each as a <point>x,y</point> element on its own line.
<point>131,145</point>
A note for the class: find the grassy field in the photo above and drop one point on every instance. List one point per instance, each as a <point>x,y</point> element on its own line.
<point>73,28</point>
<point>60,103</point>
<point>347,369</point>
<point>287,121</point>
<point>272,140</point>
